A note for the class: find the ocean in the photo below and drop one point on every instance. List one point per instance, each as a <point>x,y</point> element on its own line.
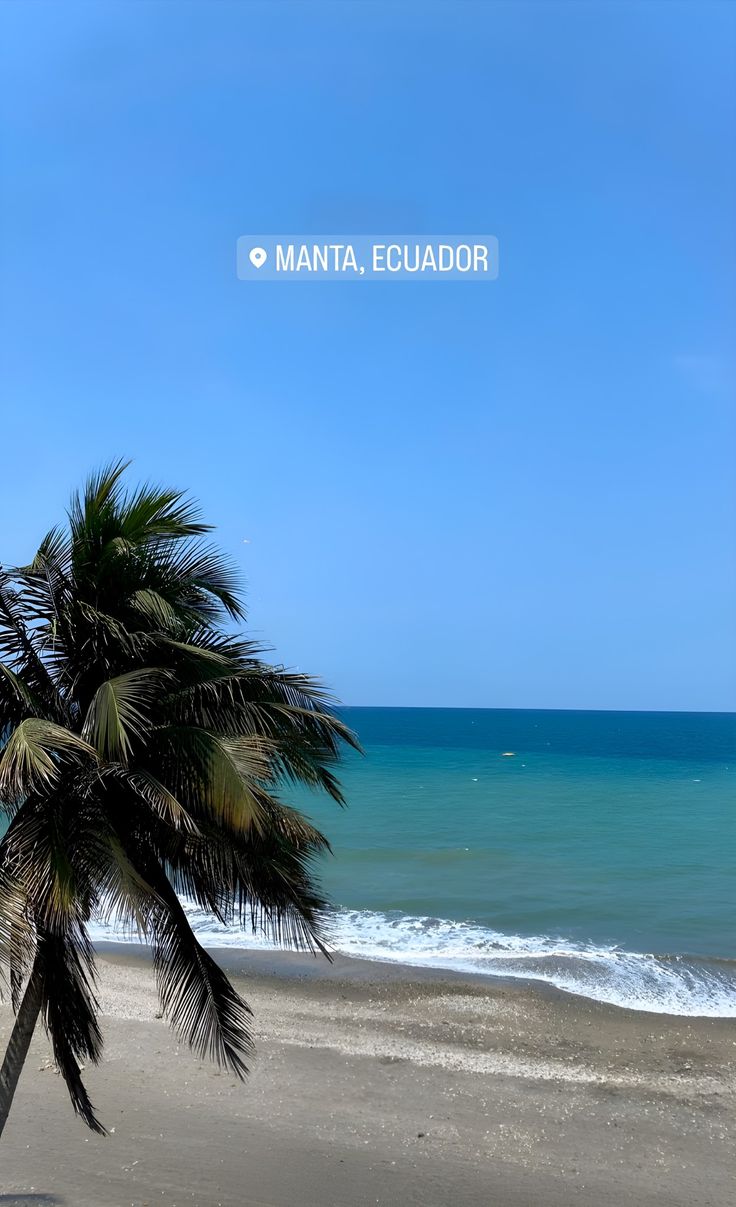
<point>594,851</point>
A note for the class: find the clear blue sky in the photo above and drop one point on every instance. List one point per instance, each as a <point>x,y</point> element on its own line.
<point>514,495</point>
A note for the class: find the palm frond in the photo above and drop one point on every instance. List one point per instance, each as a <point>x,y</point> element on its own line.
<point>196,996</point>
<point>157,610</point>
<point>17,930</point>
<point>70,1010</point>
<point>119,712</point>
<point>125,897</point>
<point>265,881</point>
<point>215,777</point>
<point>32,756</point>
<point>156,795</point>
<point>18,648</point>
<point>152,513</point>
<point>204,578</point>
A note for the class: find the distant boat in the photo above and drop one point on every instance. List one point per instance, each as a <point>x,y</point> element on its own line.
<point>508,754</point>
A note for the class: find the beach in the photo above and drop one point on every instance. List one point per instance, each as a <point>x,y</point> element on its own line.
<point>376,1083</point>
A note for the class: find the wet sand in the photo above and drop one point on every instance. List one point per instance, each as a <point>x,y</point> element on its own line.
<point>382,1084</point>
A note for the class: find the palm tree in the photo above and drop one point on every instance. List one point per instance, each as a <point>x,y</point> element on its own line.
<point>143,746</point>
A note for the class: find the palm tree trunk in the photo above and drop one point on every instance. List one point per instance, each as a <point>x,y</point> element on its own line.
<point>20,1042</point>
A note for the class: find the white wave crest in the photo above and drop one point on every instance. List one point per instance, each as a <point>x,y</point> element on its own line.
<point>662,984</point>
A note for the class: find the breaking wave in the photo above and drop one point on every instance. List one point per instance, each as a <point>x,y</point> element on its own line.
<point>665,984</point>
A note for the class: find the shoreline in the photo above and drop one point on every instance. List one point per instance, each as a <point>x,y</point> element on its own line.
<point>278,960</point>
<point>360,980</point>
<point>379,1083</point>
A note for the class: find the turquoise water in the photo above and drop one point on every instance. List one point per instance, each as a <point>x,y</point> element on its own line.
<point>616,828</point>
<point>592,850</point>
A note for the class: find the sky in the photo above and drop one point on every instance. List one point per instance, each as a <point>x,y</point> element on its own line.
<point>517,494</point>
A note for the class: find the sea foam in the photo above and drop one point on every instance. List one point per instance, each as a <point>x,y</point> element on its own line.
<point>680,985</point>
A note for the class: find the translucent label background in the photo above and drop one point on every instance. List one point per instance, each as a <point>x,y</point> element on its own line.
<point>362,246</point>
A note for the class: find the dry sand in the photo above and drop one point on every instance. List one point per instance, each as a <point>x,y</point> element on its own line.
<point>376,1084</point>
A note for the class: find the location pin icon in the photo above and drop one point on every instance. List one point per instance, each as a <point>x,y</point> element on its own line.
<point>257,256</point>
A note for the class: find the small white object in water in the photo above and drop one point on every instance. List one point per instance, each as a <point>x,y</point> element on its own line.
<point>508,754</point>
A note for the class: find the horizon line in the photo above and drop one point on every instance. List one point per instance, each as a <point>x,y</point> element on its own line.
<point>706,712</point>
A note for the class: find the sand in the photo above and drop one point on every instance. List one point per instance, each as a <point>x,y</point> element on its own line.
<point>381,1084</point>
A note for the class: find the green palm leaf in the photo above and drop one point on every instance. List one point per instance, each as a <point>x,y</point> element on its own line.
<point>119,712</point>
<point>33,754</point>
